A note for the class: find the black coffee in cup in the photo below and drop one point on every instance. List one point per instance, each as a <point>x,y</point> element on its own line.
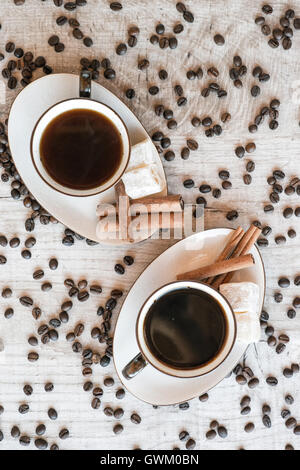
<point>185,328</point>
<point>81,149</point>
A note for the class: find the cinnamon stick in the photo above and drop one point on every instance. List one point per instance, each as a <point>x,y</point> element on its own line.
<point>221,267</point>
<point>123,204</point>
<point>234,239</point>
<point>245,245</point>
<point>170,203</point>
<point>148,223</point>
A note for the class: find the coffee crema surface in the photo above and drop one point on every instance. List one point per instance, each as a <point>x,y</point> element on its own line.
<point>81,149</point>
<point>185,328</point>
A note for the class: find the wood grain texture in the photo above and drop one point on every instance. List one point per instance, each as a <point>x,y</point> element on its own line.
<point>30,26</point>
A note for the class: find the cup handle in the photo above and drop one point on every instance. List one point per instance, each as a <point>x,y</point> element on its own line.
<point>134,367</point>
<point>85,84</point>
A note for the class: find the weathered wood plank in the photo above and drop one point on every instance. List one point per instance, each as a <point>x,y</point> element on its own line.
<point>30,26</point>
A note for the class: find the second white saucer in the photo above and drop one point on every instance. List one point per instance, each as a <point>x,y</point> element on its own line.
<point>150,385</point>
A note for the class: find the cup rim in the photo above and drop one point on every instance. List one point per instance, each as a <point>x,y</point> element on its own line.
<point>199,373</point>
<point>93,192</point>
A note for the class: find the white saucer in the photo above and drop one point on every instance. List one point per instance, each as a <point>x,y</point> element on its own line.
<point>150,385</point>
<point>77,213</point>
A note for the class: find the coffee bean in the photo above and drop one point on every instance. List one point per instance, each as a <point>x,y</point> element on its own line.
<point>232,215</point>
<point>70,6</point>
<point>53,264</point>
<point>267,421</point>
<point>135,418</point>
<point>272,381</point>
<point>205,188</point>
<point>272,341</point>
<point>211,434</point>
<point>118,428</point>
<point>292,234</point>
<point>273,43</point>
<point>278,297</point>
<point>213,72</point>
<point>189,183</point>
<point>26,301</point>
<point>251,147</point>
<point>289,400</point>
<point>280,240</point>
<point>285,414</point>
<point>24,440</point>
<point>249,427</point>
<point>190,445</point>
<point>178,28</point>
<point>23,409</point>
<point>27,389</point>
<point>52,413</point>
<point>108,411</point>
<point>246,400</point>
<point>96,403</point>
<point>83,296</point>
<point>14,242</point>
<point>288,373</point>
<point>291,314</point>
<point>49,387</point>
<point>41,444</point>
<point>288,213</point>
<point>219,40</point>
<point>3,241</point>
<point>61,20</point>
<point>296,302</point>
<point>247,179</point>
<point>29,225</point>
<point>222,432</point>
<point>10,47</point>
<point>250,167</point>
<point>204,398</point>
<point>226,185</point>
<point>46,287</point>
<point>245,411</point>
<point>255,91</point>
<point>226,117</point>
<point>64,433</point>
<point>15,432</point>
<point>253,383</point>
<point>253,127</point>
<point>241,380</point>
<point>297,430</point>
<point>40,430</point>
<point>284,282</point>
<point>291,423</point>
<point>105,360</point>
<point>284,338</point>
<point>116,6</point>
<point>38,274</point>
<point>240,152</point>
<point>286,43</point>
<point>297,23</point>
<point>54,447</point>
<point>267,9</point>
<point>118,413</point>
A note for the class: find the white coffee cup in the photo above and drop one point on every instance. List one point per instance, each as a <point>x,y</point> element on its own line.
<point>146,356</point>
<point>71,104</point>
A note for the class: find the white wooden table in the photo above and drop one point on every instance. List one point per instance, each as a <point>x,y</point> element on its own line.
<point>30,26</point>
